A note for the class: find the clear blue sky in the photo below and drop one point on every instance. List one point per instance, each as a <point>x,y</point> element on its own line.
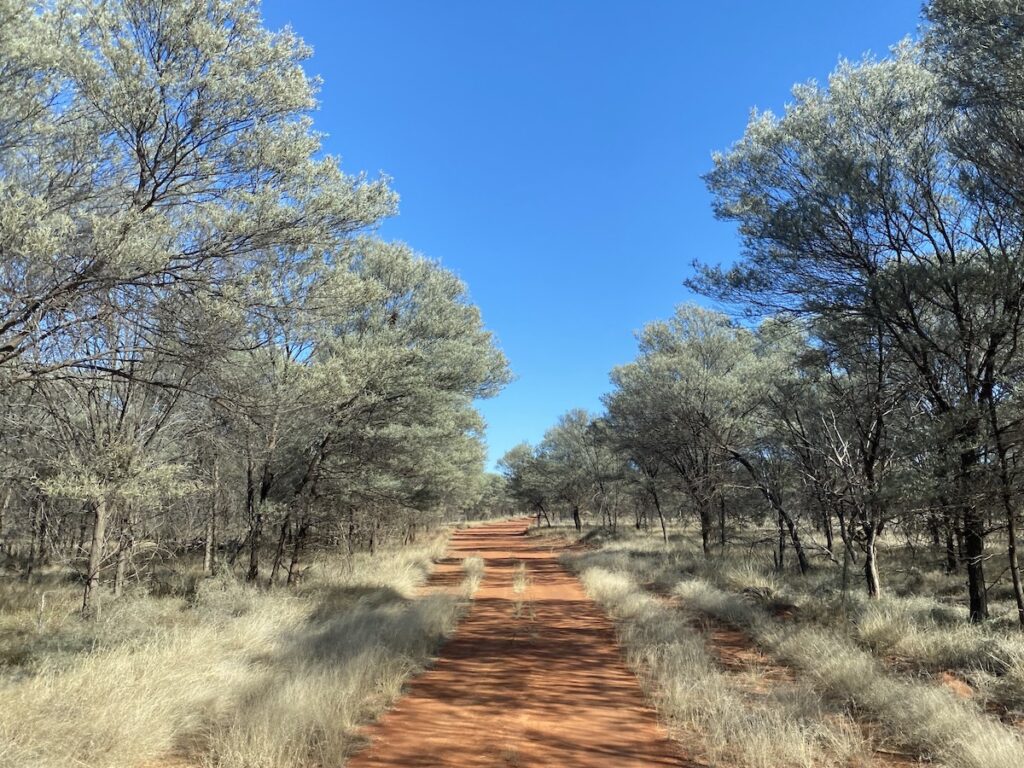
<point>549,151</point>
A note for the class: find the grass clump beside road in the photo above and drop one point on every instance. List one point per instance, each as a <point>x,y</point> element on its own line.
<point>869,661</point>
<point>783,727</point>
<point>238,676</point>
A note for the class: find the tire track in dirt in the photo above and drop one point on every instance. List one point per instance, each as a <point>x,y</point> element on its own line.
<point>532,677</point>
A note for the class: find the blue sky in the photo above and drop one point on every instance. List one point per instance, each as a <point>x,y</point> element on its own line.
<point>550,153</point>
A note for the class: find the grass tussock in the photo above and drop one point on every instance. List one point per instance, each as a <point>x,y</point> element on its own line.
<point>235,676</point>
<point>920,716</point>
<point>913,632</point>
<point>871,659</point>
<point>784,727</point>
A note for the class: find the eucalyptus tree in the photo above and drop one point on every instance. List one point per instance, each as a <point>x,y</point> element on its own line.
<point>569,450</point>
<point>855,206</point>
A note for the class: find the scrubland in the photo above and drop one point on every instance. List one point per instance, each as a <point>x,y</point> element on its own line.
<point>213,672</point>
<point>832,677</point>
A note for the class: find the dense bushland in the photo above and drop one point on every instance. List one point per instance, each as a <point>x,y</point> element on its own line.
<point>204,347</point>
<point>232,417</point>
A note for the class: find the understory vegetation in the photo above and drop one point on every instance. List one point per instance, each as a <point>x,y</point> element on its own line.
<point>827,678</point>
<point>224,675</point>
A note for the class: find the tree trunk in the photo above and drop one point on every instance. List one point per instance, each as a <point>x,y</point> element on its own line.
<point>254,501</point>
<point>298,541</point>
<point>1011,552</point>
<point>773,499</point>
<point>576,518</point>
<point>33,539</point>
<point>210,545</point>
<point>1006,495</point>
<point>90,595</point>
<point>43,550</point>
<point>826,524</point>
<point>974,553</point>
<point>661,516</point>
<point>973,524</point>
<point>844,534</point>
<point>721,520</point>
<point>282,540</point>
<point>781,563</point>
<point>123,553</point>
<point>870,563</point>
<point>255,540</point>
<point>3,512</point>
<point>952,563</point>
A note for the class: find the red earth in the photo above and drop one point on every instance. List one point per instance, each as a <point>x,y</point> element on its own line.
<point>532,677</point>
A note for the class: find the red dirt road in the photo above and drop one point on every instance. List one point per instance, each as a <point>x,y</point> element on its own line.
<point>533,677</point>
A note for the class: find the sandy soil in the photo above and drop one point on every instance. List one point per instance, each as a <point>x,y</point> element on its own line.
<point>533,676</point>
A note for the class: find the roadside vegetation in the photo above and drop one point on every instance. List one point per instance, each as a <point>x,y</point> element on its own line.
<point>226,675</point>
<point>826,468</point>
<point>234,421</point>
<point>840,699</point>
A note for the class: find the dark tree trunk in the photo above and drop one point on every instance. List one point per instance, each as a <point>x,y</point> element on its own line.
<point>952,563</point>
<point>33,539</point>
<point>974,542</point>
<point>705,517</point>
<point>781,562</point>
<point>90,595</point>
<point>3,513</point>
<point>1006,495</point>
<point>576,518</point>
<point>43,550</point>
<point>661,515</point>
<point>775,501</point>
<point>721,520</point>
<point>298,542</point>
<point>826,524</point>
<point>282,541</point>
<point>256,501</point>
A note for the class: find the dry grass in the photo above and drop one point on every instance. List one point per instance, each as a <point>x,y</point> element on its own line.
<point>784,727</point>
<point>914,632</point>
<point>851,653</point>
<point>234,676</point>
<point>920,716</point>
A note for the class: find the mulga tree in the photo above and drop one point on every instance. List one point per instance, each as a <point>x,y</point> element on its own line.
<point>526,478</point>
<point>574,463</point>
<point>683,408</point>
<point>855,205</point>
<point>976,50</point>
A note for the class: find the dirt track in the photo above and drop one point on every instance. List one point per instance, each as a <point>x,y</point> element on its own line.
<point>533,677</point>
